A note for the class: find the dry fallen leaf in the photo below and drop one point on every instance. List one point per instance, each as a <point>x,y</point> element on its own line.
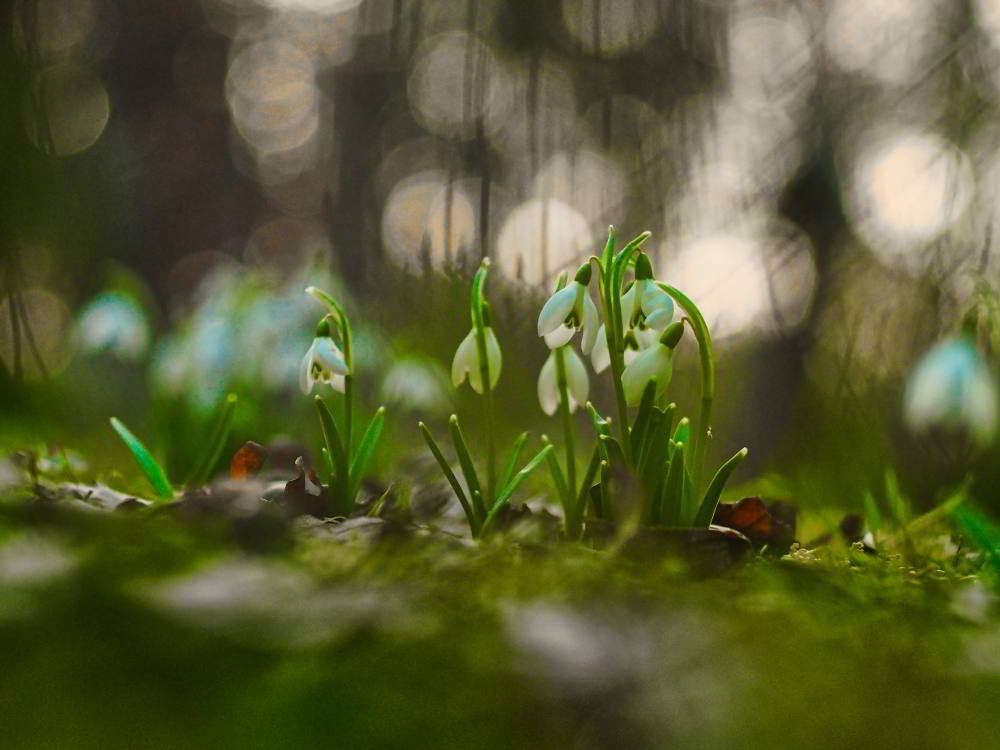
<point>247,461</point>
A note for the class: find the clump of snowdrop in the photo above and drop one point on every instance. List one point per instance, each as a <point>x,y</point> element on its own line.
<point>634,336</point>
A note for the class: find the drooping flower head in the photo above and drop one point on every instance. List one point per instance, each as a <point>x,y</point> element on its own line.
<point>952,387</point>
<point>568,310</point>
<point>645,304</point>
<point>323,362</point>
<point>467,362</point>
<point>652,364</point>
<point>577,383</point>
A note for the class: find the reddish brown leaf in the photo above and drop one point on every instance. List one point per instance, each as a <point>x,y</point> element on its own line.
<point>247,461</point>
<point>772,525</point>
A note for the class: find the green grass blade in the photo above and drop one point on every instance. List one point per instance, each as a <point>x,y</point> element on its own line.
<point>359,464</point>
<point>873,518</point>
<point>218,436</point>
<point>452,479</point>
<point>465,461</point>
<point>711,500</point>
<point>154,473</point>
<point>512,486</point>
<point>515,454</point>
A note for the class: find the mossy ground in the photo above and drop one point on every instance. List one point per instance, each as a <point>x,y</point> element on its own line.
<point>149,630</point>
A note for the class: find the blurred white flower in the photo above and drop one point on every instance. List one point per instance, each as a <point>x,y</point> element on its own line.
<point>113,322</point>
<point>952,387</point>
<point>418,384</point>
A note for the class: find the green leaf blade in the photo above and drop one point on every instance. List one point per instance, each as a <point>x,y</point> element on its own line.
<point>151,468</point>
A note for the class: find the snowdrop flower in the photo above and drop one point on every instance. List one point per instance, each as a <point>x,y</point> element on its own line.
<point>113,322</point>
<point>635,341</point>
<point>569,309</point>
<point>644,304</point>
<point>654,363</point>
<point>577,383</point>
<point>952,387</point>
<point>323,362</point>
<point>467,363</point>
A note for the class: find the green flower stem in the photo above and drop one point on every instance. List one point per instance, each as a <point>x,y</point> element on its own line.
<point>706,354</point>
<point>612,332</point>
<point>567,417</point>
<point>479,323</point>
<point>612,277</point>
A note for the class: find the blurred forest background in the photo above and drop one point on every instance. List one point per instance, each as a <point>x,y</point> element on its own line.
<point>820,176</point>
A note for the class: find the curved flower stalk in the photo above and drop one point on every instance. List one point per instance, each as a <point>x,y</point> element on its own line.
<point>952,387</point>
<point>326,362</point>
<point>479,359</point>
<point>636,342</point>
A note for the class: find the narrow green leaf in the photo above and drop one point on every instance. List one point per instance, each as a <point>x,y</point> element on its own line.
<point>565,495</point>
<point>150,467</point>
<point>654,449</point>
<point>602,425</point>
<point>465,461</point>
<point>588,481</point>
<point>340,482</point>
<point>514,483</point>
<point>640,427</point>
<point>452,479</point>
<point>515,454</point>
<point>218,436</point>
<point>711,500</point>
<point>359,464</point>
<point>683,432</point>
<point>331,436</point>
<point>668,508</point>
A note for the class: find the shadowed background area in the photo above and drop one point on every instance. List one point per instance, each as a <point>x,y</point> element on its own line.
<point>819,177</point>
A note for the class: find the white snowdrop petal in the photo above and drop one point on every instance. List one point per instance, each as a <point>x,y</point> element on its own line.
<point>559,337</point>
<point>577,382</point>
<point>556,309</point>
<point>591,321</point>
<point>600,356</point>
<point>652,364</point>
<point>548,388</point>
<point>465,359</point>
<point>494,357</point>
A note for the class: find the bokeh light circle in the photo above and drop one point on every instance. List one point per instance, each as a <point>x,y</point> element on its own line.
<point>905,188</point>
<point>539,238</point>
<point>759,278</point>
